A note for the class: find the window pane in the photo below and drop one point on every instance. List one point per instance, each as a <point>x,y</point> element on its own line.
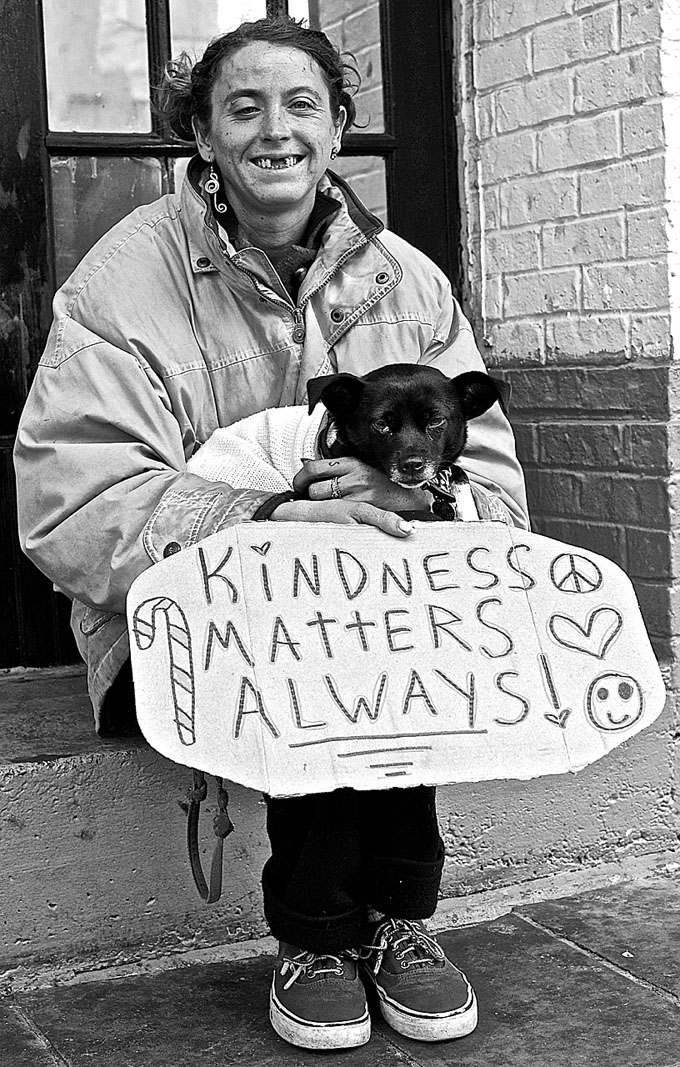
<point>353,26</point>
<point>366,175</point>
<point>97,66</point>
<point>193,24</point>
<point>90,194</point>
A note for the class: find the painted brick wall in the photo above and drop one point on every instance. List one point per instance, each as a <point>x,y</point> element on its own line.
<point>568,165</point>
<point>569,138</point>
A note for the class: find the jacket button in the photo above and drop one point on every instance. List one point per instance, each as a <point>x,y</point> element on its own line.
<point>171,548</point>
<point>337,315</point>
<point>299,335</point>
<point>382,277</point>
<point>203,261</point>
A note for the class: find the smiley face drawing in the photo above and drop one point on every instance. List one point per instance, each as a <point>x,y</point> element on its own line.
<point>614,701</point>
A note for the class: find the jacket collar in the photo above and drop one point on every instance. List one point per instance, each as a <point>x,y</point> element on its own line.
<point>351,228</point>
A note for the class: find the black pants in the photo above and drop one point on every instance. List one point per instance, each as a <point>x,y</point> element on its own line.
<point>334,855</point>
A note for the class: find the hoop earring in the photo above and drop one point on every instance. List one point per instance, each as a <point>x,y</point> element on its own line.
<point>212,187</point>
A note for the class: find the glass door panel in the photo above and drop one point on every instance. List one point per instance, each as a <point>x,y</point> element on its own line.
<point>97,66</point>
<point>90,194</point>
<point>354,26</point>
<point>366,175</point>
<point>193,25</point>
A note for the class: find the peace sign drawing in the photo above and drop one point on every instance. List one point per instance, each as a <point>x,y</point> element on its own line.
<point>571,573</point>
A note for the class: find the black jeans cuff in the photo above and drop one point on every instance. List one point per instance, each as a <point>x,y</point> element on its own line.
<point>405,889</point>
<point>323,933</point>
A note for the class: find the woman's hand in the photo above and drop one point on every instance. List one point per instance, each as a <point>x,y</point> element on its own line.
<point>345,490</point>
<point>349,479</point>
<point>342,511</point>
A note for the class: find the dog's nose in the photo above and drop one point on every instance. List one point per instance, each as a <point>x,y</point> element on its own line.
<point>413,465</point>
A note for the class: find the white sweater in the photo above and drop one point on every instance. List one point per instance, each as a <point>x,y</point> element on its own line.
<point>264,451</point>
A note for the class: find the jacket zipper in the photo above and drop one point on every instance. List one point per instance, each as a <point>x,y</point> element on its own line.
<point>299,309</point>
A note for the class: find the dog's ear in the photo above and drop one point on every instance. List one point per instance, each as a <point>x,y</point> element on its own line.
<point>340,393</point>
<point>476,392</point>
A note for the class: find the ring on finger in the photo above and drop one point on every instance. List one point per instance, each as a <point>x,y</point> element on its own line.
<point>335,489</point>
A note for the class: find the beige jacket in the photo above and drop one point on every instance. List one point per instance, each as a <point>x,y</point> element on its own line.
<point>164,333</point>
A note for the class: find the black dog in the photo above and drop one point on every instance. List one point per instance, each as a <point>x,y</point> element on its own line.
<point>407,420</point>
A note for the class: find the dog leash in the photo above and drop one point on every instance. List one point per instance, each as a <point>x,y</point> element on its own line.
<point>222,827</point>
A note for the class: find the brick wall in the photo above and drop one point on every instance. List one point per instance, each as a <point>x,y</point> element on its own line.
<point>569,136</point>
<point>568,173</point>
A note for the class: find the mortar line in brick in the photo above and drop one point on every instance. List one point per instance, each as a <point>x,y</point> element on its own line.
<point>580,64</point>
<point>25,1021</point>
<point>635,101</point>
<point>622,262</point>
<point>580,288</point>
<point>523,31</point>
<point>645,46</point>
<point>590,953</point>
<point>609,213</point>
<point>643,153</point>
<point>589,165</point>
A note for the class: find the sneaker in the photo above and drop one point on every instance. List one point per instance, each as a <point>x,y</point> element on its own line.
<point>422,995</point>
<point>317,1000</point>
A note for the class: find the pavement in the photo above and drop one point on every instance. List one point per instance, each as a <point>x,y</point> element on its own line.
<point>589,979</point>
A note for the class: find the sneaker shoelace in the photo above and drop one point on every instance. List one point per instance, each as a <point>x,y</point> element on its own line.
<point>311,964</point>
<point>410,944</point>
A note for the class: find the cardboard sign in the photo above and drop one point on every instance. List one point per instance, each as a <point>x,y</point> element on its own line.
<point>299,658</point>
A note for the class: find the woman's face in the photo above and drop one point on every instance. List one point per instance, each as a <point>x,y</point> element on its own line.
<point>271,130</point>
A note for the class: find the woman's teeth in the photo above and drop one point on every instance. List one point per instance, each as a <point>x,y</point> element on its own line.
<point>276,164</point>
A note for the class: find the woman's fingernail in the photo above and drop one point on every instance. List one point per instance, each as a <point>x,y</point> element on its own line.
<point>407,527</point>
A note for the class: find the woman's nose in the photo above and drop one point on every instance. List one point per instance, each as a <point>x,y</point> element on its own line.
<point>275,124</point>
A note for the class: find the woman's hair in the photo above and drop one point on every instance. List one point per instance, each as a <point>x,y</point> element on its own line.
<point>186,88</point>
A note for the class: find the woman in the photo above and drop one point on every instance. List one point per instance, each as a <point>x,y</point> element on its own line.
<point>190,314</point>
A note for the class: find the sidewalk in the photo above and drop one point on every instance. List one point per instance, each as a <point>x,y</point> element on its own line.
<point>584,980</point>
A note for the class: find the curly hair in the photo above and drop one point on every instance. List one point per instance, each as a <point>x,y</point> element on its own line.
<point>185,91</point>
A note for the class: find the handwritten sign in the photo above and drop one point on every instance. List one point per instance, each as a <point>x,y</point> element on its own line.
<point>299,658</point>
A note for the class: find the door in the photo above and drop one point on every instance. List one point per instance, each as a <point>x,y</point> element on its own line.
<point>81,146</point>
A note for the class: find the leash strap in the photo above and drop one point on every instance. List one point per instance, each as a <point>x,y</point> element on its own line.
<point>222,827</point>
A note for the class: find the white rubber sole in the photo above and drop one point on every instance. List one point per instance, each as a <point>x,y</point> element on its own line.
<point>433,1027</point>
<point>304,1034</point>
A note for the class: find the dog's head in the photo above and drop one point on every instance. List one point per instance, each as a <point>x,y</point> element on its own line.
<point>407,420</point>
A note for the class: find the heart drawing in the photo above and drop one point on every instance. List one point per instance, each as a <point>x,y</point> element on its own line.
<point>559,718</point>
<point>602,627</point>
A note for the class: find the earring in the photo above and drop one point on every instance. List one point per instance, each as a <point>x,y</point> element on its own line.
<point>212,185</point>
<point>334,153</point>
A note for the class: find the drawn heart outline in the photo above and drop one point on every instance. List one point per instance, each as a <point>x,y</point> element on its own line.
<point>559,719</point>
<point>262,549</point>
<point>603,626</point>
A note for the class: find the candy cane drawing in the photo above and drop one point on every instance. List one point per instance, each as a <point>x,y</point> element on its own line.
<point>145,629</point>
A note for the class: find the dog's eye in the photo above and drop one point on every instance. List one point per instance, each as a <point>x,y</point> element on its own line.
<point>380,426</point>
<point>436,424</point>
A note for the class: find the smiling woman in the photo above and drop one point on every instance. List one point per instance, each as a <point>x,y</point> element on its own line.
<point>210,305</point>
<point>271,135</point>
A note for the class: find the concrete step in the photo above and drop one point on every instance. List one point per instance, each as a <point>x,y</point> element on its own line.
<point>92,835</point>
